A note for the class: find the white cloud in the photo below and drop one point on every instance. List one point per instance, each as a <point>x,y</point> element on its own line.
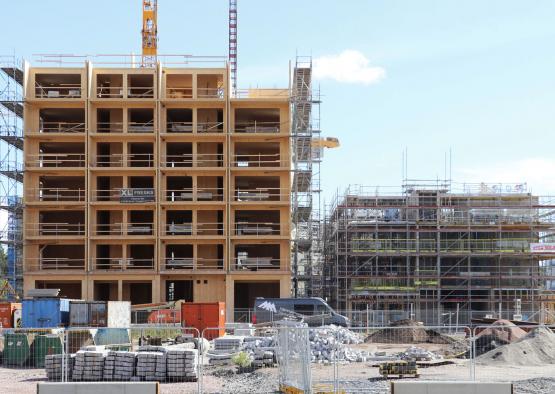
<point>349,66</point>
<point>538,173</point>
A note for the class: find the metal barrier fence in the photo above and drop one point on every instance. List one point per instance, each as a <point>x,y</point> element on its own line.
<point>313,359</point>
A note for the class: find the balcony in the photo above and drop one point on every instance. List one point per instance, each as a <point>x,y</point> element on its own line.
<point>259,160</point>
<point>109,86</point>
<point>58,86</point>
<point>190,263</point>
<point>258,120</point>
<point>140,86</point>
<point>210,86</point>
<point>127,160</point>
<point>116,195</point>
<point>57,194</point>
<point>122,264</point>
<point>61,120</point>
<point>56,160</point>
<point>187,229</point>
<point>260,194</point>
<point>210,120</point>
<point>255,264</point>
<point>121,229</point>
<point>55,229</point>
<point>141,120</point>
<point>189,194</point>
<point>179,86</point>
<point>254,127</point>
<point>257,229</point>
<point>54,264</point>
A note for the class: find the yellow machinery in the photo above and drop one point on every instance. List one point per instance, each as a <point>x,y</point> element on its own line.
<point>150,33</point>
<point>327,142</point>
<point>399,368</point>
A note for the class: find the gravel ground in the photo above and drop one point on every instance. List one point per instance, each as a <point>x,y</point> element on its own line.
<point>359,377</point>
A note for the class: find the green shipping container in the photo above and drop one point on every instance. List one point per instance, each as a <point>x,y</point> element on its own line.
<point>44,345</point>
<point>16,349</point>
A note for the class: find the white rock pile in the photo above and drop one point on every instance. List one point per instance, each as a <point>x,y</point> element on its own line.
<point>328,344</point>
<point>419,354</point>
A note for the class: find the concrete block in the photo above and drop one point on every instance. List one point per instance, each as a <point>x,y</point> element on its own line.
<point>432,387</point>
<point>98,387</point>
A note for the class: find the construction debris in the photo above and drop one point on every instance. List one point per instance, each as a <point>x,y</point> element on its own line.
<point>419,354</point>
<point>408,331</point>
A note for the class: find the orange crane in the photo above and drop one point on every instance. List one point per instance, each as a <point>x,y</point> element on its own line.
<point>150,33</point>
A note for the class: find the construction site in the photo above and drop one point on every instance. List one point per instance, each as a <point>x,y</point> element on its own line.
<point>163,229</point>
<point>440,252</point>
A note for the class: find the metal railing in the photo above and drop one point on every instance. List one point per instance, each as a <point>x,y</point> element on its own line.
<point>258,127</point>
<point>177,92</point>
<point>136,228</point>
<point>256,264</point>
<point>54,263</point>
<point>187,229</point>
<point>210,127</point>
<point>62,127</point>
<point>109,92</point>
<point>124,160</point>
<point>140,92</point>
<point>179,127</point>
<point>260,194</point>
<point>217,93</point>
<point>259,160</point>
<point>262,93</point>
<point>55,194</point>
<point>54,229</point>
<point>58,91</point>
<point>56,160</point>
<point>191,263</point>
<point>190,160</point>
<point>121,264</point>
<point>190,194</point>
<point>109,127</point>
<point>140,127</point>
<point>257,228</point>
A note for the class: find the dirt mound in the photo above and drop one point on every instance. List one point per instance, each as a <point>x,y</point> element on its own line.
<point>536,348</point>
<point>502,332</point>
<point>408,331</point>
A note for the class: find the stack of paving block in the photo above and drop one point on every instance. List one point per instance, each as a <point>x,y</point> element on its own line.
<point>119,366</point>
<point>151,363</point>
<point>89,365</point>
<point>53,366</point>
<point>182,363</point>
<point>224,349</point>
<point>263,358</point>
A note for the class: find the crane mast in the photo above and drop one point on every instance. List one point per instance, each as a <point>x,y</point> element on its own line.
<point>150,33</point>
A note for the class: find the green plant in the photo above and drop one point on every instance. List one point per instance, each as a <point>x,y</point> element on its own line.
<point>242,359</point>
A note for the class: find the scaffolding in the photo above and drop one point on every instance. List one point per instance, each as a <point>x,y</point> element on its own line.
<point>11,167</point>
<point>435,250</point>
<point>306,158</point>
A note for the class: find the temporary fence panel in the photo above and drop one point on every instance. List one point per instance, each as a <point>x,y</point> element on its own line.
<point>293,356</point>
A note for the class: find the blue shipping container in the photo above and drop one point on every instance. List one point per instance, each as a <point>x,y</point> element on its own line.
<point>45,312</point>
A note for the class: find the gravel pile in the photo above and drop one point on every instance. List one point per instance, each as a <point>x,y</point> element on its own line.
<point>536,348</point>
<point>408,331</point>
<point>328,343</point>
<point>535,386</point>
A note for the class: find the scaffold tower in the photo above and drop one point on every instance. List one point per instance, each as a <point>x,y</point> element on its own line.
<point>11,167</point>
<point>306,249</point>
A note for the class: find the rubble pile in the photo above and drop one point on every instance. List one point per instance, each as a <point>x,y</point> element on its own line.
<point>419,354</point>
<point>408,331</point>
<point>328,344</point>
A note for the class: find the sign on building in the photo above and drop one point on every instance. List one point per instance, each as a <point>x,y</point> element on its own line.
<point>136,195</point>
<point>542,247</point>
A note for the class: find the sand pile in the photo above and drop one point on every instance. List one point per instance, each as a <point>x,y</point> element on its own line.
<point>502,332</point>
<point>536,348</point>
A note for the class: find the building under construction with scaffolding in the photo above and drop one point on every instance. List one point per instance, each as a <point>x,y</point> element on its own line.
<point>436,251</point>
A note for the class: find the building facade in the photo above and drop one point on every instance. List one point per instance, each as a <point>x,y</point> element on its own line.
<point>439,255</point>
<point>155,184</point>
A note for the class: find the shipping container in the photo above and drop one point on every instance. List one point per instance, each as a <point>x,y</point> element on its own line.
<point>99,314</point>
<point>7,312</point>
<point>45,312</point>
<point>203,315</point>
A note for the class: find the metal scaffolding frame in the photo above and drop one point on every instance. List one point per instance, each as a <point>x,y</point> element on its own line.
<point>433,249</point>
<point>305,191</point>
<point>11,166</point>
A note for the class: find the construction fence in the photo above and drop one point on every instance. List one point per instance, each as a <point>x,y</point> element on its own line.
<point>284,356</point>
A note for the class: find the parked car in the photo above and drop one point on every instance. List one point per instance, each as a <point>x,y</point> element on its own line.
<point>316,311</point>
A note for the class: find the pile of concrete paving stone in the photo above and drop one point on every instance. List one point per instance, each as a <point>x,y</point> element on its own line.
<point>419,354</point>
<point>149,363</point>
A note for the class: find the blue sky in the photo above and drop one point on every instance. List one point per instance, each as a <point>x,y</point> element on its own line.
<point>474,76</point>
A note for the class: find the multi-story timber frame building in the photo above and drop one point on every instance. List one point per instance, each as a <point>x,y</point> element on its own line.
<point>155,184</point>
<point>428,252</point>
